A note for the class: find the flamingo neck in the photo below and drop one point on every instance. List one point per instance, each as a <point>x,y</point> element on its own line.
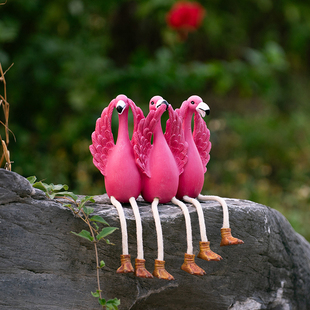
<point>187,126</point>
<point>123,134</point>
<point>158,133</point>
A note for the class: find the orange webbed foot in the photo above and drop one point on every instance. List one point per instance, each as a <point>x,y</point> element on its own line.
<point>228,239</point>
<point>190,266</point>
<point>140,270</point>
<point>206,253</point>
<point>126,266</point>
<point>160,272</point>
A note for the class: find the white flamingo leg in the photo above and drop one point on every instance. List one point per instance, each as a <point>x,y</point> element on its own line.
<point>160,242</point>
<point>189,264</point>
<point>204,245</point>
<point>223,204</point>
<point>202,224</point>
<point>126,266</point>
<point>122,219</point>
<point>159,268</point>
<point>140,270</point>
<point>227,238</point>
<point>140,254</point>
<point>187,223</point>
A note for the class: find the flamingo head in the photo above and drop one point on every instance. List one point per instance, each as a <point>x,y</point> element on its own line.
<point>157,102</point>
<point>121,104</point>
<point>195,104</point>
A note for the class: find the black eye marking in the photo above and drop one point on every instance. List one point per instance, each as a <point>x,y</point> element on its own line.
<point>192,102</point>
<point>119,109</point>
<point>152,102</point>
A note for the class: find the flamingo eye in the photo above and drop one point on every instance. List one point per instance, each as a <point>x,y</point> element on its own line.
<point>192,102</point>
<point>152,102</point>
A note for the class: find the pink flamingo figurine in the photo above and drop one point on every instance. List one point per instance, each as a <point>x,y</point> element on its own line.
<point>192,179</point>
<point>161,164</point>
<point>121,175</point>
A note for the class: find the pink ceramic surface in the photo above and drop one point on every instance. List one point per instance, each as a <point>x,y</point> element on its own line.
<point>192,179</point>
<point>162,161</point>
<point>116,161</point>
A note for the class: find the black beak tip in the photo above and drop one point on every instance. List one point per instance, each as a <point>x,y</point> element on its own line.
<point>208,112</point>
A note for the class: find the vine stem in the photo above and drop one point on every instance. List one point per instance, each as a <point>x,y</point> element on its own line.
<point>86,220</point>
<point>96,253</point>
<point>78,212</point>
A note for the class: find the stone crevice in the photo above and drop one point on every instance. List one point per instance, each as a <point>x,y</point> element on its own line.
<point>144,296</point>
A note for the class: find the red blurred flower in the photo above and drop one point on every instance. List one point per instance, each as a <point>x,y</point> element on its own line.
<point>186,16</point>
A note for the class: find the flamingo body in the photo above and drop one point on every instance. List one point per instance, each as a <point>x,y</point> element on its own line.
<point>160,162</point>
<point>123,179</point>
<point>192,179</point>
<point>164,171</point>
<point>116,161</point>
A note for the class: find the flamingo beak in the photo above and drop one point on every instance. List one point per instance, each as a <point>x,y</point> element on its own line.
<point>160,102</point>
<point>203,109</point>
<point>120,106</point>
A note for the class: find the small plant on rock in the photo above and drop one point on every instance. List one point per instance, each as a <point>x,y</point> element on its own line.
<point>94,233</point>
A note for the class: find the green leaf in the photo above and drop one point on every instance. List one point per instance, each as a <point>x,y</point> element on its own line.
<point>84,200</point>
<point>67,205</point>
<point>41,186</point>
<point>84,234</point>
<point>96,294</point>
<point>49,187</point>
<point>59,187</point>
<point>88,210</point>
<point>102,264</point>
<point>32,179</point>
<point>99,219</point>
<point>52,195</point>
<point>102,301</point>
<point>67,194</point>
<point>87,198</point>
<point>106,231</point>
<point>113,303</point>
<point>109,242</point>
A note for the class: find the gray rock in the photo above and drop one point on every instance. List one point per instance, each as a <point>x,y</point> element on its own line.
<point>13,187</point>
<point>44,266</point>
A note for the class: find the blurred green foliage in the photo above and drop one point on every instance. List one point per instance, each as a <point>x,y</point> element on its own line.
<point>249,61</point>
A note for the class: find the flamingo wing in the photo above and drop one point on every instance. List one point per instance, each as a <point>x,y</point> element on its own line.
<point>201,137</point>
<point>142,139</point>
<point>137,114</point>
<point>175,138</point>
<point>181,111</point>
<point>102,139</point>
